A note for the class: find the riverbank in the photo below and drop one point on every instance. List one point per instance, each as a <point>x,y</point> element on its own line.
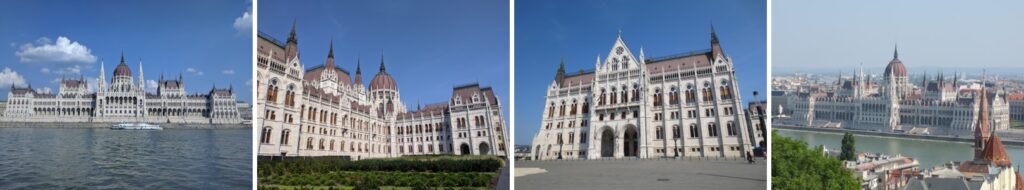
<point>107,125</point>
<point>1013,142</point>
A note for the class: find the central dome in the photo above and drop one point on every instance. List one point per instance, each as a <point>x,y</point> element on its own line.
<point>122,69</point>
<point>383,80</point>
<point>895,67</point>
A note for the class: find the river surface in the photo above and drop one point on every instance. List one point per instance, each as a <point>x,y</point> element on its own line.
<point>928,152</point>
<point>99,158</point>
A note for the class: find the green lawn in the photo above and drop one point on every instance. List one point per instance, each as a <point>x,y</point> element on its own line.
<point>285,187</point>
<point>423,172</point>
<point>1016,124</point>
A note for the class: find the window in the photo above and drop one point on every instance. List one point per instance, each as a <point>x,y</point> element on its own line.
<point>712,130</point>
<point>659,133</point>
<point>265,135</point>
<point>694,131</point>
<point>284,136</point>
<point>571,137</point>
<point>731,128</point>
<point>675,131</point>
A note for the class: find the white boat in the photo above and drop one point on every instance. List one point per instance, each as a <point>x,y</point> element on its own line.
<point>136,126</point>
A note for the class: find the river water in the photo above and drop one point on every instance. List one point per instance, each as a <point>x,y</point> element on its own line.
<point>928,152</point>
<point>99,158</point>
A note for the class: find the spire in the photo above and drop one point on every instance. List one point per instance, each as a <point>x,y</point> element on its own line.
<point>981,133</point>
<point>561,66</point>
<point>359,72</point>
<point>291,36</point>
<point>382,61</point>
<point>330,53</point>
<point>896,51</point>
<point>142,81</point>
<point>122,56</point>
<point>714,37</point>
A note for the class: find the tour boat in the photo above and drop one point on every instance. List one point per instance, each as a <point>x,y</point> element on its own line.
<point>136,126</point>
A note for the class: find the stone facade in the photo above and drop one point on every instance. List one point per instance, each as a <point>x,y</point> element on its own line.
<point>122,100</point>
<point>941,105</point>
<point>683,105</point>
<point>327,111</point>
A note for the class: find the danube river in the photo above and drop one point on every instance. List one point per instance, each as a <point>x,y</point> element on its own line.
<point>928,152</point>
<point>99,158</point>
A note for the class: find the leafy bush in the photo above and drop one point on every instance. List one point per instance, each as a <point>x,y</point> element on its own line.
<point>419,164</point>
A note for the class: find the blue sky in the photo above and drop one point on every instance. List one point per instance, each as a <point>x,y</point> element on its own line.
<point>43,40</point>
<point>834,36</point>
<point>429,46</point>
<point>580,30</point>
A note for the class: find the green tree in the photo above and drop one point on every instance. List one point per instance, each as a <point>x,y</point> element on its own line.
<point>848,152</point>
<point>795,166</point>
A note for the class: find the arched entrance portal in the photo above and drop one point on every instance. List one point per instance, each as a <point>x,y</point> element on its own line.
<point>484,149</point>
<point>464,149</point>
<point>607,142</point>
<point>629,143</point>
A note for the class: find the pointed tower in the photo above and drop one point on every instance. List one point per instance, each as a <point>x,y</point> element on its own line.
<point>382,62</point>
<point>292,47</point>
<point>981,130</point>
<point>560,75</point>
<point>142,81</point>
<point>330,55</point>
<point>716,49</point>
<point>103,78</point>
<point>359,72</point>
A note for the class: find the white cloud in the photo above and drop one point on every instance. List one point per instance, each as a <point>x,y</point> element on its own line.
<point>62,51</point>
<point>9,77</point>
<point>151,85</point>
<point>193,71</point>
<point>45,70</point>
<point>243,24</point>
<point>68,70</point>
<point>44,90</point>
<point>93,83</point>
<point>229,72</point>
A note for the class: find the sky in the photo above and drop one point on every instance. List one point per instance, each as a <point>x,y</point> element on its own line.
<point>429,47</point>
<point>207,42</point>
<point>546,31</point>
<point>834,36</point>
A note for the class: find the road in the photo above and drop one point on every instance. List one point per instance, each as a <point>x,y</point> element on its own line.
<point>643,174</point>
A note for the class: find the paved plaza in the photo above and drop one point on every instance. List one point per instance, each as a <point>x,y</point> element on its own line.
<point>641,174</point>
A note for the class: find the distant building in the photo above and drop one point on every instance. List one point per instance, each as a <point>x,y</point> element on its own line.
<point>684,105</point>
<point>944,106</point>
<point>1016,107</point>
<point>122,100</point>
<point>244,111</point>
<point>991,167</point>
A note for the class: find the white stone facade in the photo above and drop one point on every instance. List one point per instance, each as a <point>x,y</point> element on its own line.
<point>122,100</point>
<point>943,106</point>
<point>683,105</point>
<point>325,111</point>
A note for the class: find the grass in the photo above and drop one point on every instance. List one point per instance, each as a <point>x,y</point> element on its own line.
<point>285,187</point>
<point>419,172</point>
<point>1016,124</point>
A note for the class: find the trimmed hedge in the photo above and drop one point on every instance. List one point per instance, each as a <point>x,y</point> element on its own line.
<point>424,164</point>
<point>376,179</point>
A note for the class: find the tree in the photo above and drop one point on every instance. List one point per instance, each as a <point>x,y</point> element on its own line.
<point>795,166</point>
<point>849,152</point>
